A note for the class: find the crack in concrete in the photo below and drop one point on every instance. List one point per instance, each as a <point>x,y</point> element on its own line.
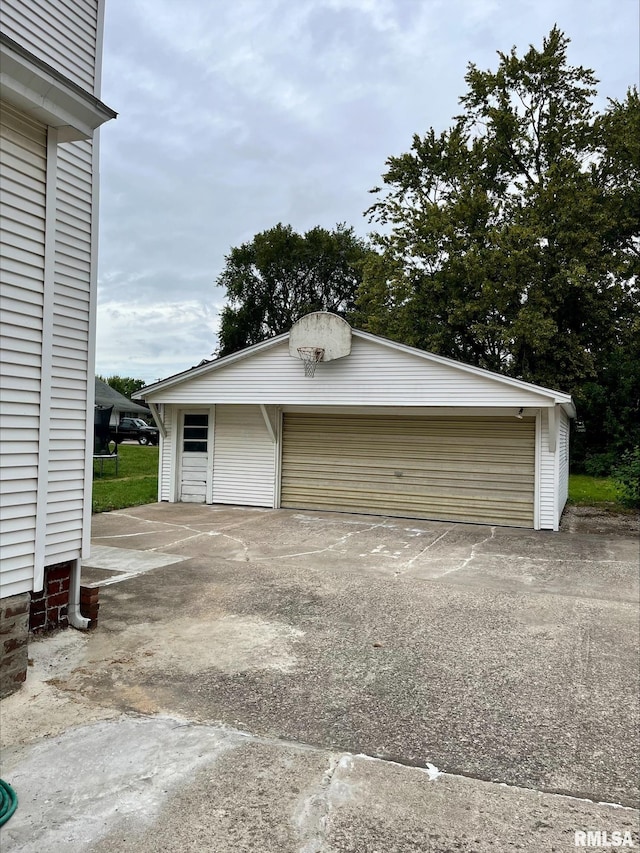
<point>323,550</point>
<point>405,568</point>
<point>312,814</point>
<point>467,560</point>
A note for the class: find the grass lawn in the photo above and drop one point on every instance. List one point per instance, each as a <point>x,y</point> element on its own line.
<point>136,483</point>
<point>592,491</point>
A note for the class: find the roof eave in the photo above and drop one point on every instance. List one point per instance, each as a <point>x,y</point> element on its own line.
<point>48,96</point>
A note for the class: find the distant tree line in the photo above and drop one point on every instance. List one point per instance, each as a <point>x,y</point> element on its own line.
<point>510,241</point>
<point>124,385</point>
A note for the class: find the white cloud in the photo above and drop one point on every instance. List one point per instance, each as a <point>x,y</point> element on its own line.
<point>234,116</point>
<point>151,341</point>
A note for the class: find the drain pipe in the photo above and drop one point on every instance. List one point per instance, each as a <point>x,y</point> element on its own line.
<point>73,611</point>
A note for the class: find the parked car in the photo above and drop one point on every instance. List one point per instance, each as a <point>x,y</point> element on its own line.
<point>136,429</point>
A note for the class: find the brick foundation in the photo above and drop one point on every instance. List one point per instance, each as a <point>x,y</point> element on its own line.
<point>89,605</point>
<point>14,635</point>
<point>49,606</point>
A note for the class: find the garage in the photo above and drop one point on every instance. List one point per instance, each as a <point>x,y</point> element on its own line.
<point>330,418</point>
<point>450,468</point>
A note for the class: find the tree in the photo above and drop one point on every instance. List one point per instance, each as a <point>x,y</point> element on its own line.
<point>124,385</point>
<point>512,237</point>
<point>280,275</point>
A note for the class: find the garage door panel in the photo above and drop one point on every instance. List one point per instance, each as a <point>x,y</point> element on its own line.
<point>466,469</point>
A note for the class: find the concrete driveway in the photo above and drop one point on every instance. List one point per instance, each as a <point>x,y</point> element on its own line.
<point>268,680</point>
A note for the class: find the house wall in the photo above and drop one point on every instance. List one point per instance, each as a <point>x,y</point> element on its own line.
<point>547,478</point>
<point>166,449</point>
<point>23,183</point>
<point>563,461</point>
<point>62,33</point>
<point>374,374</point>
<point>48,241</point>
<point>244,458</point>
<point>71,374</point>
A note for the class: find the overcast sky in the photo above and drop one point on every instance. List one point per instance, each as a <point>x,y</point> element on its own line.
<point>235,115</point>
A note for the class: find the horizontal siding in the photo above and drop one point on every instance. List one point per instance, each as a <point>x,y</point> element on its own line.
<point>244,457</point>
<point>547,475</point>
<point>374,375</point>
<point>69,365</point>
<point>22,241</point>
<point>62,33</point>
<point>165,468</point>
<point>458,469</point>
<point>563,460</point>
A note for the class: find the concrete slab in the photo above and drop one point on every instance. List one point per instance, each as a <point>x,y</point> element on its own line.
<point>295,642</point>
<point>118,564</point>
<point>148,785</point>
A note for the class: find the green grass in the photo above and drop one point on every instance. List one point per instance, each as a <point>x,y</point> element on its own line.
<point>592,491</point>
<point>136,483</point>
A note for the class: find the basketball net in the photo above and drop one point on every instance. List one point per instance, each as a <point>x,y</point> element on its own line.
<point>310,356</point>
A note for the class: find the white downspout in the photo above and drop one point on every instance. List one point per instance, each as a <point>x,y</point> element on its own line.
<point>76,620</point>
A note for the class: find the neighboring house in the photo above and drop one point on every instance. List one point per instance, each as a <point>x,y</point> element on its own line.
<point>106,396</point>
<point>50,59</point>
<point>385,429</point>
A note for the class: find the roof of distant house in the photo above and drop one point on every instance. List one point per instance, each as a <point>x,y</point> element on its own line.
<point>108,396</point>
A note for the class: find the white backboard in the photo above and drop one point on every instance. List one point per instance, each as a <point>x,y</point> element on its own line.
<point>321,330</point>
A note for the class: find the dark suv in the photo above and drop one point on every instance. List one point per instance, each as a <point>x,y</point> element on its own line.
<point>136,429</point>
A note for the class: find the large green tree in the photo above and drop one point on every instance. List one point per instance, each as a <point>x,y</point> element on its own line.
<point>510,240</point>
<point>281,275</point>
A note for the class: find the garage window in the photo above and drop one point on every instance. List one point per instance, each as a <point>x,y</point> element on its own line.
<point>195,434</point>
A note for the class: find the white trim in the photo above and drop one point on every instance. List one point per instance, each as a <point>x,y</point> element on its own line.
<point>536,476</point>
<point>48,307</point>
<point>175,466</point>
<point>267,422</point>
<point>91,348</point>
<point>277,485</point>
<point>556,475</point>
<point>553,429</point>
<point>48,96</point>
<point>211,437</point>
<point>419,411</point>
<point>158,420</point>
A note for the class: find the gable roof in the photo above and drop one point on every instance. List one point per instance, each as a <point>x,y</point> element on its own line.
<point>108,396</point>
<point>197,375</point>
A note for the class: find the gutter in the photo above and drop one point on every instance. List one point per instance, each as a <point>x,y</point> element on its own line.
<point>76,619</point>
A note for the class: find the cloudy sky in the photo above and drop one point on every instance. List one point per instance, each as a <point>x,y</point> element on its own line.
<point>235,115</point>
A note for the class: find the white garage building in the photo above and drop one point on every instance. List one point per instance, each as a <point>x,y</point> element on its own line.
<point>381,428</point>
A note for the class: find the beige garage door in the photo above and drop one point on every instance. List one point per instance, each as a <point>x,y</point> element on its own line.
<point>453,468</point>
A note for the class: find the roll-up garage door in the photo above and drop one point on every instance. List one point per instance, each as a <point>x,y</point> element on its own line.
<point>478,469</point>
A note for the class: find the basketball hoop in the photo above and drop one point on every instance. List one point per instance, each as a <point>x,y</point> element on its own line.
<point>310,356</point>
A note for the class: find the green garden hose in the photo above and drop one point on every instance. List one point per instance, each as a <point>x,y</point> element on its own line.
<point>8,801</point>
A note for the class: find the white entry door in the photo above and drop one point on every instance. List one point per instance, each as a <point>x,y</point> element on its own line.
<point>194,457</point>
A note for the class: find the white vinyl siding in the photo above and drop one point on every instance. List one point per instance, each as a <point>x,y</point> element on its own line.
<point>164,454</point>
<point>373,375</point>
<point>244,457</point>
<point>451,468</point>
<point>548,484</point>
<point>69,364</point>
<point>563,461</point>
<point>63,33</point>
<point>23,158</point>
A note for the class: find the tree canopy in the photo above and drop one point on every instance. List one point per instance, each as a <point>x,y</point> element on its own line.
<point>280,275</point>
<point>511,239</point>
<point>125,385</point>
